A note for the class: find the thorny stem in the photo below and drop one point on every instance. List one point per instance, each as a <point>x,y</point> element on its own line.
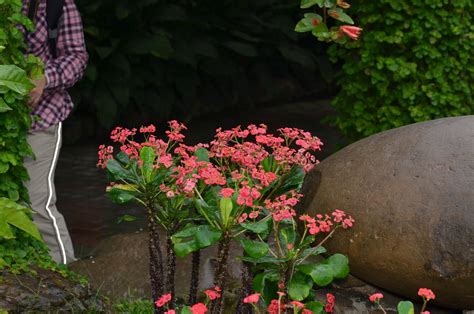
<point>171,270</point>
<point>156,257</point>
<point>220,273</point>
<point>194,277</point>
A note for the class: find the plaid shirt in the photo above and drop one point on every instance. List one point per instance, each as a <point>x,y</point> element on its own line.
<point>61,72</point>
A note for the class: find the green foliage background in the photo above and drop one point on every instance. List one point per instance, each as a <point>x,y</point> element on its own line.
<point>17,248</point>
<point>414,62</point>
<point>155,59</point>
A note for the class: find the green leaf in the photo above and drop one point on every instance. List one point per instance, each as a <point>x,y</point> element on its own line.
<point>309,3</point>
<point>287,236</point>
<point>313,251</point>
<point>340,265</point>
<point>116,170</point>
<point>405,307</point>
<point>120,196</point>
<point>340,15</point>
<point>12,214</point>
<point>15,79</point>
<point>255,249</point>
<point>259,227</point>
<point>184,248</point>
<point>186,310</point>
<point>207,236</point>
<point>225,209</point>
<point>258,283</point>
<point>126,218</point>
<point>315,306</point>
<point>147,156</point>
<point>299,287</point>
<point>291,181</point>
<point>3,106</point>
<point>321,274</point>
<point>202,154</point>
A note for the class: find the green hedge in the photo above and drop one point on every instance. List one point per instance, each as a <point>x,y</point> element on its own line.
<point>414,62</point>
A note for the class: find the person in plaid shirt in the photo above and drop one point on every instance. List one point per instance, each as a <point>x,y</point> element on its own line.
<point>51,105</point>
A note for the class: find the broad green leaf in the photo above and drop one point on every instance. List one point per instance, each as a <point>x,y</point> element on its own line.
<point>116,170</point>
<point>12,214</point>
<point>123,158</point>
<point>258,283</point>
<point>206,236</point>
<point>321,274</point>
<point>291,181</point>
<point>184,248</point>
<point>405,307</point>
<point>120,196</point>
<point>15,79</point>
<point>262,226</point>
<point>315,306</point>
<point>299,287</point>
<point>255,249</point>
<point>340,265</point>
<point>147,156</point>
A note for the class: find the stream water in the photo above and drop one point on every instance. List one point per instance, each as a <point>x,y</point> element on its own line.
<point>80,186</point>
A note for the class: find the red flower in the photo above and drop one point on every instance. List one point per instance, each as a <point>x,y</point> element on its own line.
<point>170,312</point>
<point>297,304</point>
<point>227,192</point>
<point>253,298</point>
<point>329,308</point>
<point>351,31</point>
<point>212,294</point>
<point>165,298</point>
<point>375,297</point>
<point>198,308</point>
<point>331,298</point>
<point>315,22</point>
<point>426,294</point>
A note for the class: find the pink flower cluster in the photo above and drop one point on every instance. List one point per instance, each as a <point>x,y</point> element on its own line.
<point>283,206</point>
<point>324,224</point>
<point>426,294</point>
<point>213,294</point>
<point>329,307</point>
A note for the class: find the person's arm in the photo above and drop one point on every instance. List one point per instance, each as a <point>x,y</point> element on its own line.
<point>69,65</point>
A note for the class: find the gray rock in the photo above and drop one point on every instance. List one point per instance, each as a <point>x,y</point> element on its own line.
<point>47,291</point>
<point>411,191</point>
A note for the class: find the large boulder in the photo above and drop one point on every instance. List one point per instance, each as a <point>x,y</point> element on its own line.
<point>411,192</point>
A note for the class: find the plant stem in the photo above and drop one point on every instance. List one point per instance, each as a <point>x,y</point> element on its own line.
<point>156,258</point>
<point>171,270</point>
<point>220,273</point>
<point>383,310</point>
<point>424,305</point>
<point>247,278</point>
<point>320,244</point>
<point>196,263</point>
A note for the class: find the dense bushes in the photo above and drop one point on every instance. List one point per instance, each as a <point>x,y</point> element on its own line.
<point>158,58</point>
<point>414,62</point>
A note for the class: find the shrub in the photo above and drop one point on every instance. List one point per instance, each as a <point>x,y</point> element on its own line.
<point>182,58</point>
<point>413,63</point>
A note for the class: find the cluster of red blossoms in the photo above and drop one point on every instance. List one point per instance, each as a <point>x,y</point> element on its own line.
<point>426,294</point>
<point>236,157</point>
<point>324,224</point>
